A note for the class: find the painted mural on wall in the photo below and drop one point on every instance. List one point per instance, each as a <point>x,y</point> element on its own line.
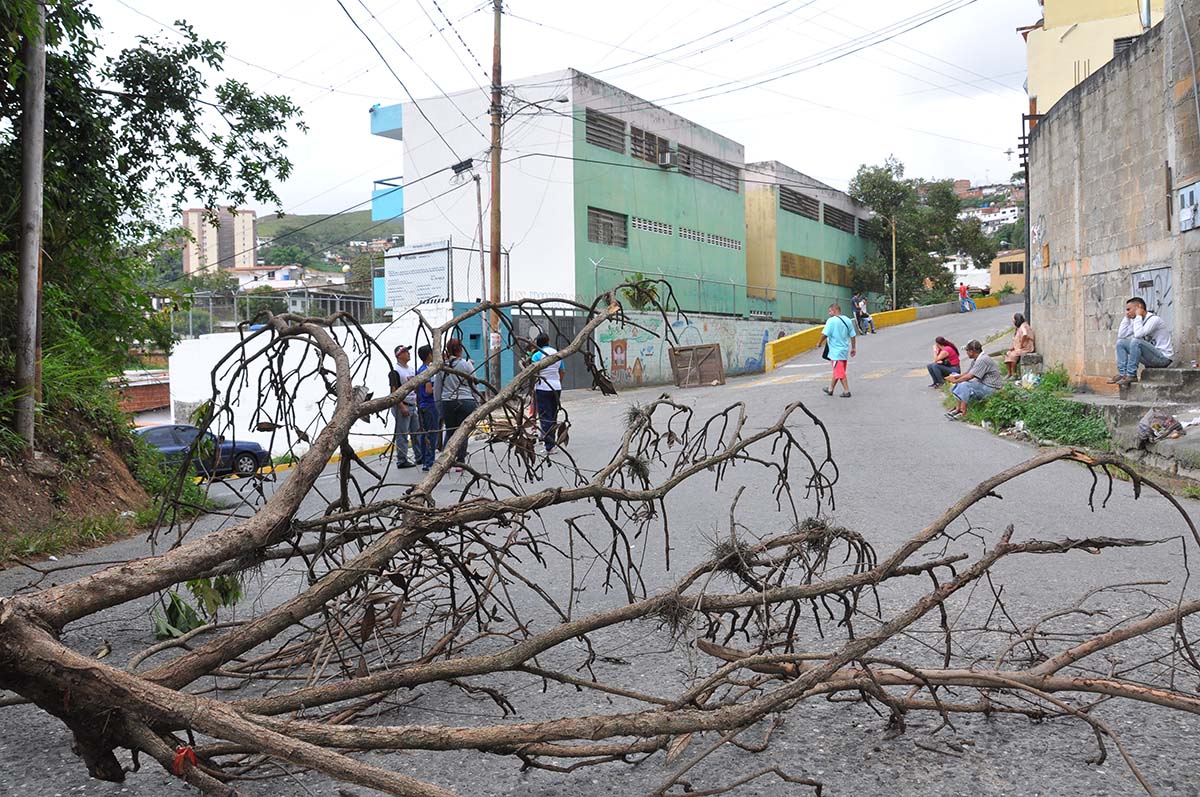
<point>639,356</point>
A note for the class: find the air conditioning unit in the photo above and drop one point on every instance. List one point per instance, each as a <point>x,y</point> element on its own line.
<point>1189,207</point>
<point>668,159</point>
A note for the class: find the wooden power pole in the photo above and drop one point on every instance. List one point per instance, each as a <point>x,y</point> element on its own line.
<point>33,123</point>
<point>493,344</point>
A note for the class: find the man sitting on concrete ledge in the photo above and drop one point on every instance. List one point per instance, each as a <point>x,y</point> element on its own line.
<point>1142,339</point>
<point>981,380</point>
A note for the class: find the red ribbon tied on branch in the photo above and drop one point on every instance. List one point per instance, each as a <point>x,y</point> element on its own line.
<point>182,755</point>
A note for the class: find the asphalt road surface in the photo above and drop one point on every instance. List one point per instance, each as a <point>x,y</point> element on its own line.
<point>901,463</point>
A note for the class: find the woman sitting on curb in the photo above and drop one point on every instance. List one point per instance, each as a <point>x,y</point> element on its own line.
<point>980,381</point>
<point>945,361</point>
<point>1023,343</point>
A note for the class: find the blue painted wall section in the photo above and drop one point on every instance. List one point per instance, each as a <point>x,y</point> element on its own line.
<point>387,202</point>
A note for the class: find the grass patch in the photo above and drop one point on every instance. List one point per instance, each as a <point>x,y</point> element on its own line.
<point>69,534</point>
<point>1191,491</point>
<point>1045,411</point>
<point>284,459</point>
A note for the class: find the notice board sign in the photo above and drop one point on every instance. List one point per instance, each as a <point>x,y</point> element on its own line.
<point>416,274</point>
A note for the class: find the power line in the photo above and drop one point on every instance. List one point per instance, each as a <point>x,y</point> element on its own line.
<point>461,40</point>
<point>350,209</point>
<point>231,56</point>
<point>412,98</point>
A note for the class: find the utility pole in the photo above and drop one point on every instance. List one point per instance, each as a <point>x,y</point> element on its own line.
<point>483,319</point>
<point>1028,122</point>
<point>493,369</point>
<point>894,307</point>
<point>33,123</point>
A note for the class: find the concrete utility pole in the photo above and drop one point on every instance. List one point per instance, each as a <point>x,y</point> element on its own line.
<point>33,124</point>
<point>483,319</point>
<point>493,344</point>
<point>894,307</point>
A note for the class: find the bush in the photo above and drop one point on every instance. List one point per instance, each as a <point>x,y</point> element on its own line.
<point>1046,413</point>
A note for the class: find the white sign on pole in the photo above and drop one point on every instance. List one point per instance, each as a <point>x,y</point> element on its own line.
<point>417,273</point>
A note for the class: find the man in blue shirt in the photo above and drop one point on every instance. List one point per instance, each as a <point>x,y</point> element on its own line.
<point>430,425</point>
<point>547,391</point>
<point>839,335</point>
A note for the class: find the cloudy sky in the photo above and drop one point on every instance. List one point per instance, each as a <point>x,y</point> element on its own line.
<point>945,97</point>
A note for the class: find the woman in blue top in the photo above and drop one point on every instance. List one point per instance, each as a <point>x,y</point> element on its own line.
<point>839,334</point>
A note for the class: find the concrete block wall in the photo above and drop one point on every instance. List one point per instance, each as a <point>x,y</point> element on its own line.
<point>1099,206</point>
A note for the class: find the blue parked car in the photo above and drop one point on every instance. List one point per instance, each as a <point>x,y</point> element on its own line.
<point>174,440</point>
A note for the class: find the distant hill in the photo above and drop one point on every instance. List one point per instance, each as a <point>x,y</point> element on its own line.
<point>331,233</point>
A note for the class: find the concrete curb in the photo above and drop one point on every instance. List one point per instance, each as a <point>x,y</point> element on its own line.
<point>787,347</point>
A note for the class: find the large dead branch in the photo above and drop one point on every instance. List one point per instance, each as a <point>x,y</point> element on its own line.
<point>409,588</point>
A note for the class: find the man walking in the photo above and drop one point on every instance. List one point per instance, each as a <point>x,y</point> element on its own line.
<point>428,422</point>
<point>839,335</point>
<point>547,391</point>
<point>965,303</point>
<point>405,411</point>
<point>1142,339</point>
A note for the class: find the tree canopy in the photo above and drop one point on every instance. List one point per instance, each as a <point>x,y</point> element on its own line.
<point>928,231</point>
<point>123,134</point>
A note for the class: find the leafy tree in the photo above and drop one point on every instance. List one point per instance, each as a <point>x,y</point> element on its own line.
<point>264,298</point>
<point>122,134</point>
<point>286,255</point>
<point>360,278</point>
<point>925,218</point>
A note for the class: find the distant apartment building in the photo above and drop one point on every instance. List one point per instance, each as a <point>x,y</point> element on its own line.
<point>599,184</point>
<point>230,243</point>
<point>1075,38</point>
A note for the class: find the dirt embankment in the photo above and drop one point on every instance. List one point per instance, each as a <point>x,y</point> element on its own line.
<point>39,495</point>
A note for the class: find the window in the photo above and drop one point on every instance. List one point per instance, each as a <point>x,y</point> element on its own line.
<point>646,146</point>
<point>839,219</point>
<point>1012,267</point>
<point>863,230</point>
<point>799,266</point>
<point>1122,44</point>
<point>662,228</point>
<point>604,131</point>
<point>800,204</point>
<point>160,436</point>
<point>710,170</point>
<point>608,228</point>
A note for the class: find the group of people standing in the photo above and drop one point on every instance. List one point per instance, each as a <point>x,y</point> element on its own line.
<point>428,417</point>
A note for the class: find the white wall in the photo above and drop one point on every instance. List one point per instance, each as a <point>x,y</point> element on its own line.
<point>192,362</point>
<point>537,226</point>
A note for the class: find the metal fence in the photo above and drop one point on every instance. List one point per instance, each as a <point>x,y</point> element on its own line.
<point>204,313</point>
<point>699,294</point>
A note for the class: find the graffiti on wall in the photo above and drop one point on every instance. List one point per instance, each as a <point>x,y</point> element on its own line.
<point>640,356</point>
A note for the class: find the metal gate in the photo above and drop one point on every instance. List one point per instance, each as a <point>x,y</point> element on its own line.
<point>562,327</point>
<point>1154,286</point>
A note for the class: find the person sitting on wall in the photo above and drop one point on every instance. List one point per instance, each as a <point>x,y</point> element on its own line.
<point>980,381</point>
<point>1148,342</point>
<point>1023,343</point>
<point>945,361</point>
<point>861,316</point>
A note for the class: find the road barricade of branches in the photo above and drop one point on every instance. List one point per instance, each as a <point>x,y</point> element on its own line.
<point>404,591</point>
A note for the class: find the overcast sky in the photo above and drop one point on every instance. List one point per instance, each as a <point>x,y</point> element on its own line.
<point>945,98</point>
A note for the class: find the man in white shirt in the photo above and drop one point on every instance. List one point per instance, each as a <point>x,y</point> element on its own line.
<point>547,391</point>
<point>407,419</point>
<point>1142,339</point>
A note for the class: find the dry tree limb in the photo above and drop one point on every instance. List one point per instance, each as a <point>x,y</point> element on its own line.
<point>407,595</point>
